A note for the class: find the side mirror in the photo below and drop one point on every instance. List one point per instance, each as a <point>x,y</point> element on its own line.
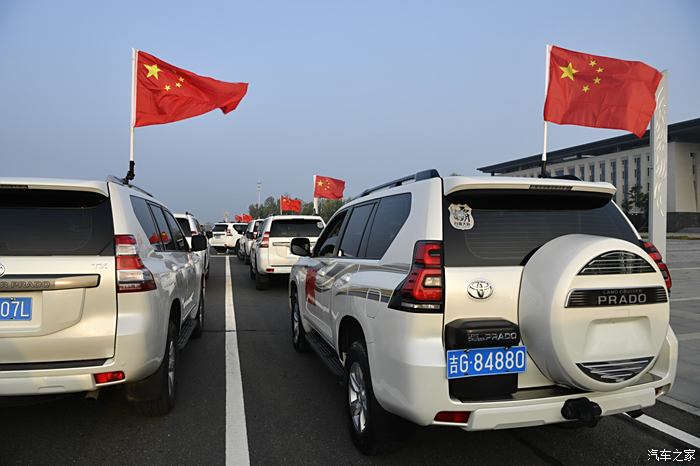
<point>199,243</point>
<point>300,247</point>
<point>209,234</point>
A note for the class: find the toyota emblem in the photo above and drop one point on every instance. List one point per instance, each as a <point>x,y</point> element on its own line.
<point>480,289</point>
<point>2,270</point>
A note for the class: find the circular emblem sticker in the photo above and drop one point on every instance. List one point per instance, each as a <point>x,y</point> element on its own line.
<point>2,270</point>
<point>461,216</point>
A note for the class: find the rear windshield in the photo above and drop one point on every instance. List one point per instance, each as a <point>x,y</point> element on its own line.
<point>505,227</point>
<point>220,227</point>
<point>295,228</point>
<point>185,225</point>
<point>240,229</point>
<point>44,222</point>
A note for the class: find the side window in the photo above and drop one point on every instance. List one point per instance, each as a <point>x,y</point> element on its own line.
<point>354,231</point>
<point>329,237</point>
<point>390,217</point>
<point>178,236</point>
<point>164,232</point>
<point>143,215</point>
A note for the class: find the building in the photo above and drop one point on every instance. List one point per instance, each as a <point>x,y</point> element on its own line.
<point>625,161</point>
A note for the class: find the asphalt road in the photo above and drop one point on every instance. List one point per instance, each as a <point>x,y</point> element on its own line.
<point>294,412</point>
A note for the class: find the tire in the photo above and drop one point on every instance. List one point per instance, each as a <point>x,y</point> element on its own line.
<point>246,259</point>
<point>199,326</point>
<point>251,272</point>
<point>164,380</point>
<point>371,428</point>
<point>240,253</point>
<point>206,274</point>
<point>262,281</point>
<point>298,333</point>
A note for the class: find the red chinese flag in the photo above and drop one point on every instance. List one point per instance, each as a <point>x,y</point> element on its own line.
<point>166,93</point>
<point>290,205</point>
<point>328,188</point>
<point>238,218</point>
<point>247,218</point>
<point>602,92</point>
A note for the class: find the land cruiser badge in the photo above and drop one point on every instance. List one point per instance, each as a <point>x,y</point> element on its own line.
<point>461,216</point>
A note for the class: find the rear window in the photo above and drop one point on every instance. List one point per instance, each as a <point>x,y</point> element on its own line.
<point>44,222</point>
<point>185,225</point>
<point>220,227</point>
<point>240,229</point>
<point>505,227</point>
<point>296,228</point>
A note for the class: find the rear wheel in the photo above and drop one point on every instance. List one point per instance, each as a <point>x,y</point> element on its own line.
<point>298,333</point>
<point>163,379</point>
<point>371,427</point>
<point>199,326</point>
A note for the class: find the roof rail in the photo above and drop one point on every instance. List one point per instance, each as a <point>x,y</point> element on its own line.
<point>120,181</point>
<point>565,177</point>
<point>419,176</point>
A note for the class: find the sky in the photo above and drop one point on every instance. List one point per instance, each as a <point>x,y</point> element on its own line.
<point>365,91</point>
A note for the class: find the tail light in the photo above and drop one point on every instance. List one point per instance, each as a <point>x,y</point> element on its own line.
<point>656,255</point>
<point>228,232</point>
<point>194,232</point>
<point>132,275</point>
<point>106,377</point>
<point>422,290</point>
<point>265,241</point>
<point>456,417</point>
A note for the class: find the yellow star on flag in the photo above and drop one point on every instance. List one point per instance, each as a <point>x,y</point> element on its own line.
<point>585,88</point>
<point>178,84</point>
<point>568,71</point>
<point>599,70</point>
<point>181,79</point>
<point>593,63</point>
<point>596,80</point>
<point>167,87</point>
<point>152,70</point>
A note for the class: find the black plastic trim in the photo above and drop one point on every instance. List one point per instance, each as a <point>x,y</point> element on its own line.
<point>38,366</point>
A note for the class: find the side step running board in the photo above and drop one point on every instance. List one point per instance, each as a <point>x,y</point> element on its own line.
<point>327,354</point>
<point>186,332</point>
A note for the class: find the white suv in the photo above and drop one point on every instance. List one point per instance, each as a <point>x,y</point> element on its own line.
<point>227,235</point>
<point>108,297</point>
<point>484,303</point>
<point>248,239</point>
<point>191,227</point>
<point>270,252</point>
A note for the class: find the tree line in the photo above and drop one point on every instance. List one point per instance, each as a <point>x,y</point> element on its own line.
<point>271,206</point>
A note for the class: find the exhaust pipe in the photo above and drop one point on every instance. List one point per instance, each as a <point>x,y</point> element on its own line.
<point>92,395</point>
<point>582,409</point>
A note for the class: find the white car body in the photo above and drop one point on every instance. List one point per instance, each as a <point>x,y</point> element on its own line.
<point>270,254</point>
<point>570,345</point>
<point>248,239</point>
<point>94,311</point>
<point>226,235</point>
<point>191,227</point>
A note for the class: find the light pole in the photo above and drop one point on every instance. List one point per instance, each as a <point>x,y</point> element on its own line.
<point>259,187</point>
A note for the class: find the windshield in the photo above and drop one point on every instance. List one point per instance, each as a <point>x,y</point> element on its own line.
<point>504,227</point>
<point>40,222</point>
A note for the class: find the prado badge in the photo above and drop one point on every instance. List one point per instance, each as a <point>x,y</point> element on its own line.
<point>461,216</point>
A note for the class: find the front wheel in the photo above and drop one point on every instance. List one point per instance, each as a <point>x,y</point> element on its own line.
<point>370,425</point>
<point>199,325</point>
<point>298,333</point>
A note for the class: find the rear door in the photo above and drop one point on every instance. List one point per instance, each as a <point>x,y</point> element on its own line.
<point>281,233</point>
<point>57,276</point>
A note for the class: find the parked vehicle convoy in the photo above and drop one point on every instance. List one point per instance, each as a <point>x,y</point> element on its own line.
<point>191,227</point>
<point>251,233</point>
<point>108,297</point>
<point>270,253</point>
<point>484,303</point>
<point>226,236</point>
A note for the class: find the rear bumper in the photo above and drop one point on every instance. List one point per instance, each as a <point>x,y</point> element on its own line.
<point>223,242</point>
<point>139,350</point>
<point>415,387</point>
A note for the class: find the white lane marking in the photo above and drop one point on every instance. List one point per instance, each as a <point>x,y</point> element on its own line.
<point>236,434</point>
<point>697,298</point>
<point>688,336</point>
<point>680,405</point>
<point>669,430</point>
<point>684,268</point>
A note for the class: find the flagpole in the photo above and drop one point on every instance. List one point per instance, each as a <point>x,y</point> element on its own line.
<point>315,198</point>
<point>548,50</point>
<point>130,174</point>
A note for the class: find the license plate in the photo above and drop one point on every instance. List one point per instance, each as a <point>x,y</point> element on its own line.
<point>15,308</point>
<point>485,361</point>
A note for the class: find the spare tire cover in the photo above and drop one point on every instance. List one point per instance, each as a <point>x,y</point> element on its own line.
<point>592,345</point>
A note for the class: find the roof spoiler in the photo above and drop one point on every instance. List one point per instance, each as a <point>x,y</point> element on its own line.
<point>419,176</point>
